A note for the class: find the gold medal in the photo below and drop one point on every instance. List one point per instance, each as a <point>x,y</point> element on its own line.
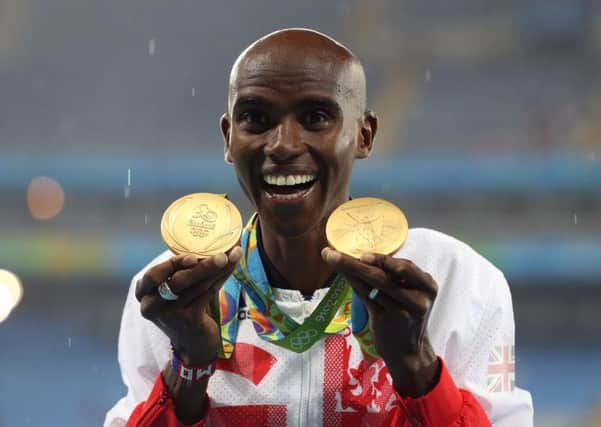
<point>367,224</point>
<point>201,224</point>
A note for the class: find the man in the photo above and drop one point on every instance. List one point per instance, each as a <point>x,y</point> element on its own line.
<point>410,346</point>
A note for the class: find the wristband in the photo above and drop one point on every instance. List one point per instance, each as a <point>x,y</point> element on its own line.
<point>191,373</point>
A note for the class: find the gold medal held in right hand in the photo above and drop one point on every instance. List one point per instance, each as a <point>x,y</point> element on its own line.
<point>367,224</point>
<point>201,224</point>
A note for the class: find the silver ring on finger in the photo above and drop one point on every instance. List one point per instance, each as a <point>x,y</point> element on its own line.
<point>373,293</point>
<point>166,293</point>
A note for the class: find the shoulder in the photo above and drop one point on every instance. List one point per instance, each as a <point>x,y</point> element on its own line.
<point>445,254</point>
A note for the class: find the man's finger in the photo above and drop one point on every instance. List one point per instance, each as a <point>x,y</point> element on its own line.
<point>200,274</point>
<point>363,290</point>
<point>391,292</point>
<point>346,264</point>
<point>205,271</point>
<point>194,292</point>
<point>371,275</point>
<point>404,271</point>
<point>151,303</point>
<point>156,275</point>
<point>413,301</point>
<point>180,263</point>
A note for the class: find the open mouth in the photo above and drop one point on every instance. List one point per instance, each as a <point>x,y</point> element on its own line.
<point>288,187</point>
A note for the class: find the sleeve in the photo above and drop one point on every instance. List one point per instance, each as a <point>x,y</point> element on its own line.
<point>138,341</point>
<point>482,391</point>
<point>444,406</point>
<point>471,326</point>
<point>158,410</point>
<point>489,370</point>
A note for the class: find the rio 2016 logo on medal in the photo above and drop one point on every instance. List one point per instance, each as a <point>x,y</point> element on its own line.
<point>203,221</point>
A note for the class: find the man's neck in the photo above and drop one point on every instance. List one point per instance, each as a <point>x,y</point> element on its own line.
<point>298,259</point>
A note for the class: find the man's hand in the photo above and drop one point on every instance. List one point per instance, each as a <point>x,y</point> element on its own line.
<point>398,315</point>
<point>187,321</point>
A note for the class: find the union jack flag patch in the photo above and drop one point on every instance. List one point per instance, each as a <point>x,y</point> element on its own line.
<point>501,369</point>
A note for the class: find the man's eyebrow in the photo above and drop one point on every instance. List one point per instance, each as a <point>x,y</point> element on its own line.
<point>250,101</point>
<point>325,103</point>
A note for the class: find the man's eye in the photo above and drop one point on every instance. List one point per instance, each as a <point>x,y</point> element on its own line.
<point>254,118</point>
<point>317,118</point>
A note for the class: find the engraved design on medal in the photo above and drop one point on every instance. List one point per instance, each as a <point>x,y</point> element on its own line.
<point>365,229</point>
<point>203,211</point>
<point>368,229</point>
<point>225,225</point>
<point>202,222</point>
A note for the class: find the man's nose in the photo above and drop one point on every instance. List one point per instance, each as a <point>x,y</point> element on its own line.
<point>284,141</point>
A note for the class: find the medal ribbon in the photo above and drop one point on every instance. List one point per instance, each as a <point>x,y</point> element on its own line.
<point>339,307</point>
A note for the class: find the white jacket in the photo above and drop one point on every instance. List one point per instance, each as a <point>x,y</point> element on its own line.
<point>471,328</point>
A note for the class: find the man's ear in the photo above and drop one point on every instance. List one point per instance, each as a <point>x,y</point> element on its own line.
<point>225,125</point>
<point>367,135</point>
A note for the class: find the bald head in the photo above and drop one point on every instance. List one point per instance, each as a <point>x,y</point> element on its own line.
<point>297,50</point>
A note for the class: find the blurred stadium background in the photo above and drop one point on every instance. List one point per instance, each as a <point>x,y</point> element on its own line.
<point>490,131</point>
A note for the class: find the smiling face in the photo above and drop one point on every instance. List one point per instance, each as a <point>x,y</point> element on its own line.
<point>295,124</point>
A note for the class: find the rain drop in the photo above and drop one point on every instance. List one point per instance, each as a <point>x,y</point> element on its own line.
<point>428,75</point>
<point>193,91</point>
<point>575,219</point>
<point>151,47</point>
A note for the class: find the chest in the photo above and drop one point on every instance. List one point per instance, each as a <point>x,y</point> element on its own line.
<point>331,384</point>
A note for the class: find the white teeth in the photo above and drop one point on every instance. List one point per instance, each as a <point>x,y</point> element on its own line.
<point>281,180</point>
<point>288,196</point>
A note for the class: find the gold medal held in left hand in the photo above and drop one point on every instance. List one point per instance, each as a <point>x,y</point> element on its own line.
<point>368,225</point>
<point>201,224</point>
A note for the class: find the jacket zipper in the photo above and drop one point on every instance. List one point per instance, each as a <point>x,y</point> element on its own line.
<point>301,406</point>
<point>309,384</point>
<point>305,393</point>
